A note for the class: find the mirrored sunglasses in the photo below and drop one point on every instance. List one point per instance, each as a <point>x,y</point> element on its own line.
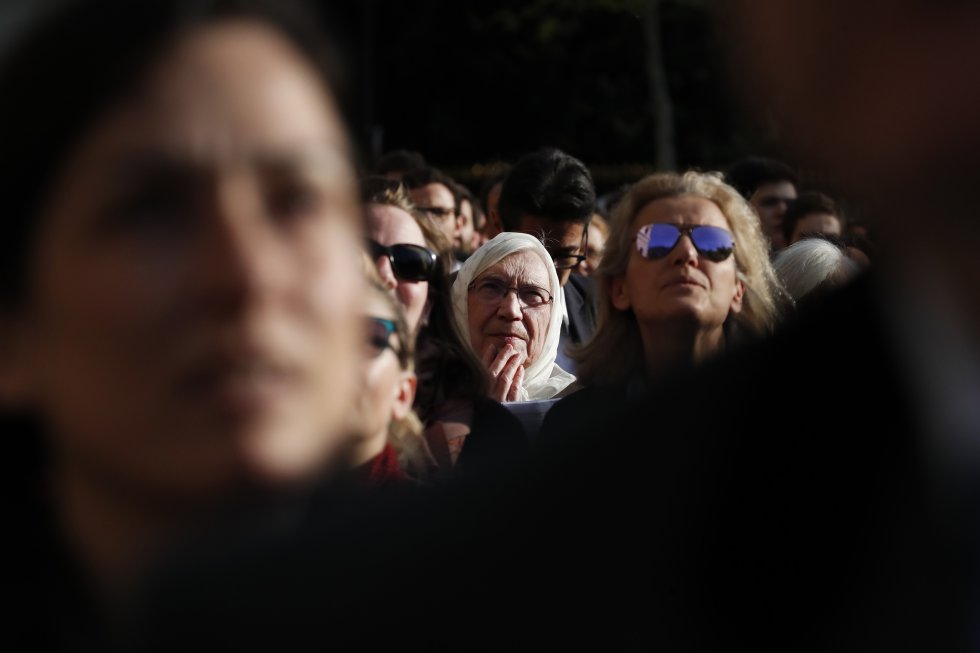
<point>655,241</point>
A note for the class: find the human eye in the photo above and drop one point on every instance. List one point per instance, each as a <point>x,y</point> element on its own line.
<point>152,208</point>
<point>533,296</point>
<point>491,288</point>
<point>294,198</point>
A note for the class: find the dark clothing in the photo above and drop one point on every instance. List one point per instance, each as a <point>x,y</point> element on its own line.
<point>497,443</point>
<point>580,301</point>
<point>718,511</point>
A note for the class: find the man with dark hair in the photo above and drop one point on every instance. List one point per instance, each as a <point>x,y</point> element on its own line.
<point>549,194</point>
<point>770,187</point>
<point>397,163</point>
<point>490,199</point>
<point>466,223</point>
<point>812,214</point>
<point>434,193</point>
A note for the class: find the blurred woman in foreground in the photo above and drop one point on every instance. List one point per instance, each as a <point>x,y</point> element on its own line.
<point>181,291</point>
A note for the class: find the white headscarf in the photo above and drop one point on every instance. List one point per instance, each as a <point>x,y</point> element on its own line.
<point>543,379</point>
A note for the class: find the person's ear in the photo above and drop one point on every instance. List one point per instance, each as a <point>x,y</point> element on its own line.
<point>738,296</point>
<point>619,294</point>
<point>494,226</point>
<point>404,395</point>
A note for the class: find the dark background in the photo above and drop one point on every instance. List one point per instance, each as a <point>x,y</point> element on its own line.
<point>470,84</point>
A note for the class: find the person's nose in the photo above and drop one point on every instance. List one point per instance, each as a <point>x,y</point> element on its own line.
<point>509,307</point>
<point>684,252</point>
<point>386,272</point>
<point>239,257</point>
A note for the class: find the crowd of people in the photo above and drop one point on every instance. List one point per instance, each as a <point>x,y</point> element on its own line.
<point>210,312</point>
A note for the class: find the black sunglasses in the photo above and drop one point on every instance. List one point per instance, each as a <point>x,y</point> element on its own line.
<point>408,262</point>
<point>655,241</point>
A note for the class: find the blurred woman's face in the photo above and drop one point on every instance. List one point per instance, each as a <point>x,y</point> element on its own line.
<point>683,287</point>
<point>194,318</point>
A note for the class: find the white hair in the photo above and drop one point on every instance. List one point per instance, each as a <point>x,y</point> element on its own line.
<point>811,263</point>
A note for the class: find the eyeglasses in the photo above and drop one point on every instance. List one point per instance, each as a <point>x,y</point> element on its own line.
<point>493,291</point>
<point>772,200</point>
<point>568,261</point>
<point>655,241</point>
<point>408,262</point>
<point>440,212</point>
<point>379,334</point>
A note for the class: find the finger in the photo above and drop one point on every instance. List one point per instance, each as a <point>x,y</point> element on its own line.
<point>502,360</point>
<point>514,394</point>
<point>489,353</point>
<point>506,378</point>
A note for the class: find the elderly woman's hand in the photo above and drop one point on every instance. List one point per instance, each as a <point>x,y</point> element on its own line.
<point>506,370</point>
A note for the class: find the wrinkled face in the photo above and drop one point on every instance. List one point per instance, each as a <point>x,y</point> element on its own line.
<point>770,202</point>
<point>506,322</point>
<point>389,225</point>
<point>816,223</point>
<point>194,317</point>
<point>682,287</point>
<point>439,203</point>
<point>563,240</point>
<point>593,252</point>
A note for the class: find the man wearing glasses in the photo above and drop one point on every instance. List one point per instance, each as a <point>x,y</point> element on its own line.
<point>770,186</point>
<point>549,194</point>
<point>434,193</point>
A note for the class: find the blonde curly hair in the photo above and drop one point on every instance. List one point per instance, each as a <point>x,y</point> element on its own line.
<point>616,351</point>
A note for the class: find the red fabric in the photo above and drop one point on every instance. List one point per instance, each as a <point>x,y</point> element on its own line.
<point>382,470</point>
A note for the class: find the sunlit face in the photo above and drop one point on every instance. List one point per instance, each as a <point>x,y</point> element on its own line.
<point>383,397</point>
<point>770,202</point>
<point>194,317</point>
<point>505,322</point>
<point>564,240</point>
<point>390,225</point>
<point>816,223</point>
<point>682,288</point>
<point>439,203</point>
<point>593,252</point>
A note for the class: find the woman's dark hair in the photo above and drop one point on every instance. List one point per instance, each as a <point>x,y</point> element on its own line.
<point>72,66</point>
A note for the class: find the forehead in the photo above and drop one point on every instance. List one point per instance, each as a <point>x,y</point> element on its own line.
<point>681,210</point>
<point>433,195</point>
<point>826,220</point>
<point>553,232</point>
<point>520,267</point>
<point>230,87</point>
<point>777,188</point>
<point>377,305</point>
<point>389,225</point>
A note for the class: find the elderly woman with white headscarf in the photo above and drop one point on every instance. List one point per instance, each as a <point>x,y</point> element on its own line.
<point>508,305</point>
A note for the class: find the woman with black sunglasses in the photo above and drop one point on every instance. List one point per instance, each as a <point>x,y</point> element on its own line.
<point>399,240</point>
<point>685,273</point>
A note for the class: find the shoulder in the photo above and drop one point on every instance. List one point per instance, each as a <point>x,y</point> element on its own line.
<point>496,441</point>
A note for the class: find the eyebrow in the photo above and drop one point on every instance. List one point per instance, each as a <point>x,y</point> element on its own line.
<point>157,161</point>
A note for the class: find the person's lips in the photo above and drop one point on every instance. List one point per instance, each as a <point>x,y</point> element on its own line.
<point>509,336</point>
<point>238,384</point>
<point>684,281</point>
